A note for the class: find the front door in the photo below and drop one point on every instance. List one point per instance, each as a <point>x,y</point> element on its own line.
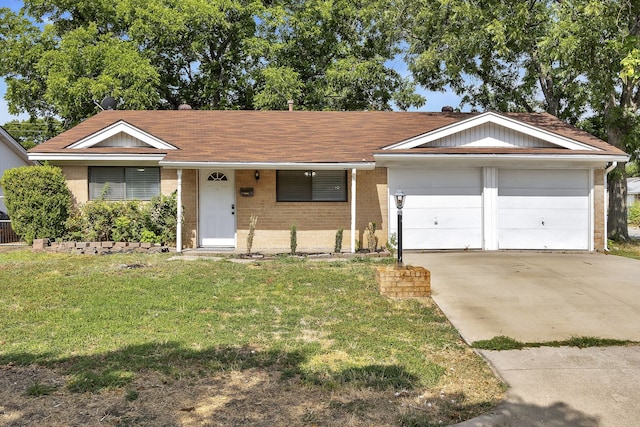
<point>217,208</point>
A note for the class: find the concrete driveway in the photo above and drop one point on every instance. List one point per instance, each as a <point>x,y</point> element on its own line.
<point>542,297</point>
<point>535,296</point>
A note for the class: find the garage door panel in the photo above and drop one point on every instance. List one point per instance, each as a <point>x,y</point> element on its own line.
<point>558,203</point>
<point>543,209</point>
<point>539,219</point>
<point>443,208</point>
<point>541,239</point>
<point>428,202</point>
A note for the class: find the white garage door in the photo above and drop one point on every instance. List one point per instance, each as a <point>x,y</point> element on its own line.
<point>443,208</point>
<point>543,209</point>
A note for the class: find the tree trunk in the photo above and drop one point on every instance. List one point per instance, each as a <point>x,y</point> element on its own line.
<point>617,228</point>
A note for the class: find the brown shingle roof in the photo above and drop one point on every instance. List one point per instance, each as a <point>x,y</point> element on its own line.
<point>282,136</point>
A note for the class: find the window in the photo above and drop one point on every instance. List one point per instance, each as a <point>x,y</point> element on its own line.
<point>120,183</point>
<point>311,186</point>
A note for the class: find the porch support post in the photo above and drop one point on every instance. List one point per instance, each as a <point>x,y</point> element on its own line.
<point>179,214</point>
<point>353,210</point>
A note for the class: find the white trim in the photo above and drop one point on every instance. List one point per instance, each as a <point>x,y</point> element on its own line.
<point>498,119</point>
<point>592,219</point>
<point>598,159</point>
<point>116,128</point>
<point>96,157</point>
<point>179,214</point>
<point>268,165</point>
<point>490,208</point>
<point>353,210</point>
<point>13,145</point>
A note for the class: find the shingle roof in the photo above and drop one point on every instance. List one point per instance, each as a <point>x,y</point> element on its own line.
<point>282,136</point>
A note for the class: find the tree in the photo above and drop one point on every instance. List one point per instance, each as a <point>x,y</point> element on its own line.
<point>568,58</point>
<point>61,57</point>
<point>32,132</point>
<point>38,201</point>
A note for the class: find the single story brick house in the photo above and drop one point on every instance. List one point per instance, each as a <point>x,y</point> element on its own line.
<point>473,180</point>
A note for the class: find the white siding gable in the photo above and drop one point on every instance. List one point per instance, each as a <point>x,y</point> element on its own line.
<point>121,140</point>
<point>489,135</point>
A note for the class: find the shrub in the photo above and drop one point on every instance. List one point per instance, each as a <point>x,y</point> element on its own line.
<point>634,214</point>
<point>294,239</point>
<point>161,217</point>
<point>372,240</point>
<point>252,231</point>
<point>38,201</point>
<point>338,246</point>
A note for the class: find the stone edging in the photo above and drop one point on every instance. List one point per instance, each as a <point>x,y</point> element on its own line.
<point>45,245</point>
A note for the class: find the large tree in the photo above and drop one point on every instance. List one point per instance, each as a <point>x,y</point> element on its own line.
<point>61,57</point>
<point>571,58</point>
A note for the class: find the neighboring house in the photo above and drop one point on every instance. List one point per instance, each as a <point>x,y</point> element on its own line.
<point>633,190</point>
<point>12,155</point>
<point>473,180</point>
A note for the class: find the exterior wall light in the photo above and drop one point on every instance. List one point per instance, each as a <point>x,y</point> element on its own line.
<point>257,175</point>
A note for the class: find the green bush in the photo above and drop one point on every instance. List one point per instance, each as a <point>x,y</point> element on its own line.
<point>634,214</point>
<point>38,201</point>
<point>125,221</point>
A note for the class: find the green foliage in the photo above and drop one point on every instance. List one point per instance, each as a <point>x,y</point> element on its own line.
<point>392,244</point>
<point>372,240</point>
<point>634,214</point>
<point>293,239</point>
<point>125,221</point>
<point>252,231</point>
<point>633,168</point>
<point>211,54</point>
<point>32,132</point>
<point>506,343</point>
<point>38,389</point>
<point>38,201</point>
<point>337,248</point>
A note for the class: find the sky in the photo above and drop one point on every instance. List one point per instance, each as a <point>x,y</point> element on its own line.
<point>435,100</point>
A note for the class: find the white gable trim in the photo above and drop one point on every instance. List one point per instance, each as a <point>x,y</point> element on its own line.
<point>116,128</point>
<point>498,119</point>
<point>13,145</point>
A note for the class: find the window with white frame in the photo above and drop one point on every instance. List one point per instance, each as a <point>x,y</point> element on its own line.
<point>311,186</point>
<point>123,183</point>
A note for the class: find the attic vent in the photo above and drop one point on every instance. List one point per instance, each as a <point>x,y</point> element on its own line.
<point>447,109</point>
<point>184,106</point>
<point>217,176</point>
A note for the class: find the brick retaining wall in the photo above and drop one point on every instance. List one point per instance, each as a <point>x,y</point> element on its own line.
<point>404,281</point>
<point>44,245</point>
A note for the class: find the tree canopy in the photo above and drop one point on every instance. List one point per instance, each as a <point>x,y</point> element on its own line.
<point>61,57</point>
<point>576,59</point>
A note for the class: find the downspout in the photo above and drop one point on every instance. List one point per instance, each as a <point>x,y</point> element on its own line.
<point>179,214</point>
<point>606,204</point>
<point>353,210</point>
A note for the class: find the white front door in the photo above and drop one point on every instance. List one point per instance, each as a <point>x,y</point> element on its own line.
<point>217,208</point>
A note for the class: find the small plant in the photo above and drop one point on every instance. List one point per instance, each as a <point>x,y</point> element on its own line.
<point>372,240</point>
<point>39,389</point>
<point>131,395</point>
<point>338,246</point>
<point>252,231</point>
<point>392,244</point>
<point>294,239</point>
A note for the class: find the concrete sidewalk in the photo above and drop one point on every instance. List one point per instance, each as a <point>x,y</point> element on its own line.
<point>542,297</point>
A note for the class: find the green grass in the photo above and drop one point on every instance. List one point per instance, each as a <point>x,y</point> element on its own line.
<point>626,249</point>
<point>506,343</point>
<point>101,323</point>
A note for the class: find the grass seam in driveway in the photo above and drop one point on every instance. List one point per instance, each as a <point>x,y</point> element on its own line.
<point>502,342</point>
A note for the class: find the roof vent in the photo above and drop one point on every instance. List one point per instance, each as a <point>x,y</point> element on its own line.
<point>184,106</point>
<point>447,109</point>
<point>290,103</point>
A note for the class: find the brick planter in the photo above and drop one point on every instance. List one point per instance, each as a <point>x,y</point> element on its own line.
<point>403,282</point>
<point>44,245</point>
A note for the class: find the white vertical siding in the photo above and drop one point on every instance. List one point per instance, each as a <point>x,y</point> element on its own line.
<point>490,135</point>
<point>121,140</point>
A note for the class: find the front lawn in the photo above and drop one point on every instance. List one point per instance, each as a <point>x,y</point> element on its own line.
<point>630,249</point>
<point>144,340</point>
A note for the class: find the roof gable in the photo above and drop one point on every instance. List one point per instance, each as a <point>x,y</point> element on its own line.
<point>490,130</point>
<point>121,134</point>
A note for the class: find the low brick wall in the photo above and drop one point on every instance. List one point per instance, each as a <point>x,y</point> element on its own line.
<point>403,282</point>
<point>44,245</point>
